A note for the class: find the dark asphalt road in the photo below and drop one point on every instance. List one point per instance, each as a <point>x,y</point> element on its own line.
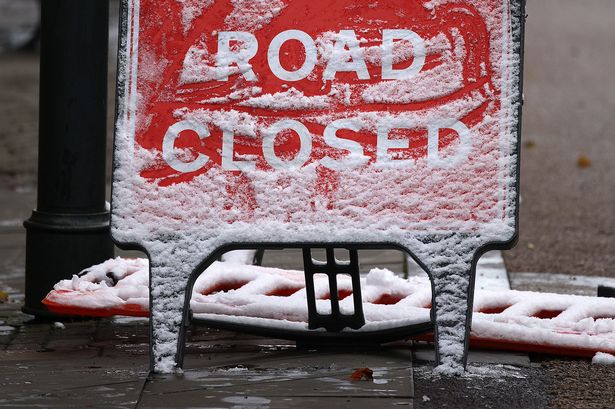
<point>568,212</point>
<point>505,388</point>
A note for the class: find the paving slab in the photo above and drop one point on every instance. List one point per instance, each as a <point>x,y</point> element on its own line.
<point>16,203</point>
<point>241,401</point>
<point>61,388</point>
<point>290,378</point>
<point>12,240</point>
<point>67,379</point>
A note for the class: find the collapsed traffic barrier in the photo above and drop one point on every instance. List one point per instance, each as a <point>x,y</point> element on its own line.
<point>272,302</point>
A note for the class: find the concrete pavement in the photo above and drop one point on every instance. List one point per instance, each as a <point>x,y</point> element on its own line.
<point>567,216</point>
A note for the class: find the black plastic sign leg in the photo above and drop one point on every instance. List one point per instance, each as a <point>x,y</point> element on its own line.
<point>332,268</point>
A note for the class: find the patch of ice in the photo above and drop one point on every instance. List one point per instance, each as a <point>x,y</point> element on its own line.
<point>11,223</point>
<point>6,329</point>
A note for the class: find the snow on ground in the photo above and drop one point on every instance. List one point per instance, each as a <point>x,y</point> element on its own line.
<point>477,371</point>
<point>602,358</point>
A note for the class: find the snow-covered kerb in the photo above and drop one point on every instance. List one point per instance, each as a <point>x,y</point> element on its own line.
<point>248,121</point>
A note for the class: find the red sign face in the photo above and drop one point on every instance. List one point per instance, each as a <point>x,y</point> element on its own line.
<point>297,120</point>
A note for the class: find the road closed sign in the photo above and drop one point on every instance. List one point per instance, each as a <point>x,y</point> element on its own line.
<point>246,122</point>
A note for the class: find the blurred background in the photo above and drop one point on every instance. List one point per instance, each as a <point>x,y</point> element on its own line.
<point>567,163</point>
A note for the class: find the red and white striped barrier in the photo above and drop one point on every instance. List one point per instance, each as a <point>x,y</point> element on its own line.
<point>269,297</point>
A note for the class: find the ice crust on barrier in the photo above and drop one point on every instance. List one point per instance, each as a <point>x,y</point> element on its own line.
<point>499,314</point>
<point>213,208</point>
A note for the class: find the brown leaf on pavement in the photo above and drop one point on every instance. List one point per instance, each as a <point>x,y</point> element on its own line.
<point>530,144</point>
<point>583,161</point>
<point>362,374</point>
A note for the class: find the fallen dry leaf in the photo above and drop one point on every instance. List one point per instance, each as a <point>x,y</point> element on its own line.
<point>362,374</point>
<point>530,144</point>
<point>583,161</point>
<point>4,297</point>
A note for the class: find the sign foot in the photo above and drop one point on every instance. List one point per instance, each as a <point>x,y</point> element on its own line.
<point>169,277</point>
<point>452,315</point>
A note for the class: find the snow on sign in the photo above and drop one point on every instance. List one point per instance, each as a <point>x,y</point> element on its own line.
<point>294,121</point>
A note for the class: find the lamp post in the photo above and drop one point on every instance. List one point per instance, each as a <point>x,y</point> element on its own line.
<point>69,230</point>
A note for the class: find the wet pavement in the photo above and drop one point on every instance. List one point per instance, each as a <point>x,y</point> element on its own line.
<point>104,362</point>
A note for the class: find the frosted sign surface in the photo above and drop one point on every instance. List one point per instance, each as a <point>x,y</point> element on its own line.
<point>304,121</point>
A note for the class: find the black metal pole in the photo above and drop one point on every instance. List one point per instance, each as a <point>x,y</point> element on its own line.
<point>69,230</point>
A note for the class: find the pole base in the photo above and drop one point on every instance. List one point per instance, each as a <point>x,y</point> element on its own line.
<point>58,246</point>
